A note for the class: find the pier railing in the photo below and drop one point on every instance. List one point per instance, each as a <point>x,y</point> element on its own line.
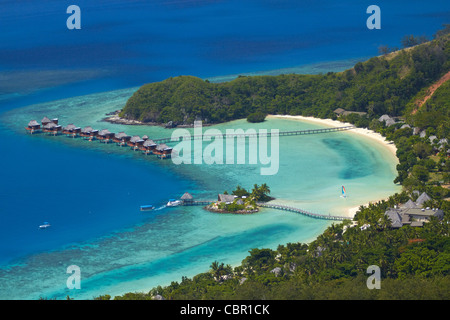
<point>253,135</point>
<point>197,203</point>
<point>278,207</point>
<point>301,211</point>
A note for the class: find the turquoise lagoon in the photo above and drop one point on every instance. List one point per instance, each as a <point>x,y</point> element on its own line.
<point>90,193</point>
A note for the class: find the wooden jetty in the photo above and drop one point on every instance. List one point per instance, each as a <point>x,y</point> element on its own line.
<point>254,135</point>
<point>301,211</point>
<point>197,203</point>
<point>148,146</point>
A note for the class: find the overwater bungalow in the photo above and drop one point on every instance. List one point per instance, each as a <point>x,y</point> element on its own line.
<point>163,151</point>
<point>121,138</point>
<point>135,142</point>
<point>45,121</point>
<point>71,130</point>
<point>105,135</point>
<point>88,133</point>
<point>148,146</point>
<point>187,198</point>
<point>52,128</point>
<point>33,126</point>
<point>145,137</point>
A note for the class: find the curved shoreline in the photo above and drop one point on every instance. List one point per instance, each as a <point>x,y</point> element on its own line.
<point>374,136</point>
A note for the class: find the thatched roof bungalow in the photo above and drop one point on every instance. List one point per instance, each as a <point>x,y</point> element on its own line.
<point>227,198</point>
<point>33,126</point>
<point>121,138</point>
<point>45,121</point>
<point>135,142</point>
<point>89,132</point>
<point>105,135</point>
<point>51,127</point>
<point>187,197</point>
<point>163,149</point>
<point>148,146</point>
<point>71,129</point>
<point>422,198</point>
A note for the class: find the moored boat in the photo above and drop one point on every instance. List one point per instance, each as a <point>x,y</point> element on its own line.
<point>44,226</point>
<point>147,207</point>
<point>173,203</point>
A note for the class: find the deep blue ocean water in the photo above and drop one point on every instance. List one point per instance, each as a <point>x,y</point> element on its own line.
<point>125,44</point>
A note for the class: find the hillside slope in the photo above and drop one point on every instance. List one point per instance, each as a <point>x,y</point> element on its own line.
<point>378,86</point>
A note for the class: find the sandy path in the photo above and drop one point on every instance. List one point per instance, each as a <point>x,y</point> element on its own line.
<point>431,91</point>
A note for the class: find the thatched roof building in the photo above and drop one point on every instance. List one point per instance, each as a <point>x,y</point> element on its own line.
<point>51,126</point>
<point>33,124</point>
<point>70,128</point>
<point>149,143</point>
<point>120,135</point>
<point>135,139</point>
<point>226,198</point>
<point>163,148</point>
<point>422,198</point>
<point>105,133</point>
<point>87,130</point>
<point>187,197</point>
<point>45,121</point>
<point>409,205</point>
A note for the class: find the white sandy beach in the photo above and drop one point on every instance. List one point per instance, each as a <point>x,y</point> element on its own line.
<point>374,136</point>
<point>334,123</point>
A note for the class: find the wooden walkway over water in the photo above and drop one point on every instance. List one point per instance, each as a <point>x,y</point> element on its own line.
<point>301,211</point>
<point>197,203</point>
<point>253,134</point>
<point>278,207</point>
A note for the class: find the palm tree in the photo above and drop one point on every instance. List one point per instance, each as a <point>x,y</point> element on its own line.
<point>264,189</point>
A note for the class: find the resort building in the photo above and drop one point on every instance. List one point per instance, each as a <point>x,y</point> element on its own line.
<point>135,142</point>
<point>105,135</point>
<point>388,121</point>
<point>144,144</point>
<point>226,198</point>
<point>71,130</point>
<point>163,151</point>
<point>411,213</point>
<point>187,198</point>
<point>89,133</point>
<point>121,138</point>
<point>33,126</point>
<point>52,128</point>
<point>45,121</point>
<point>148,146</point>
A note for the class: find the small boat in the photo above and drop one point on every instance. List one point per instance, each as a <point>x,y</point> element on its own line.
<point>173,203</point>
<point>44,226</point>
<point>147,207</point>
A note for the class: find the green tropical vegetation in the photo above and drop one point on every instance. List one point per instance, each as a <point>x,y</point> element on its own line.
<point>380,85</point>
<point>414,261</point>
<point>245,201</point>
<point>256,117</point>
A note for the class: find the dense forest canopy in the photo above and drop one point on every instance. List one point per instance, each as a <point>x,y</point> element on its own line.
<point>381,85</point>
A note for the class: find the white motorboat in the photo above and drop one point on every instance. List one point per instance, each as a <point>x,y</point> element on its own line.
<point>173,203</point>
<point>44,226</point>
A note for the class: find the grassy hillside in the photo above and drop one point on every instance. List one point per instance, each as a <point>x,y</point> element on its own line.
<point>381,85</point>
